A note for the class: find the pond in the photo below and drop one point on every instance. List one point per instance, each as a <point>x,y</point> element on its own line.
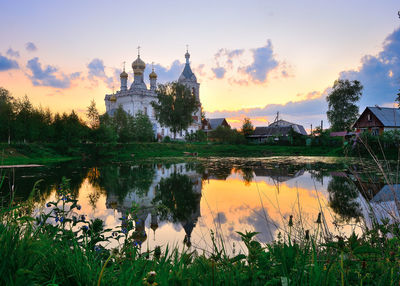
<point>178,204</point>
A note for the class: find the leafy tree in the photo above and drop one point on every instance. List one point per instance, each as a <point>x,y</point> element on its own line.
<point>227,135</point>
<point>143,129</point>
<point>23,120</point>
<point>175,106</point>
<point>6,114</point>
<point>93,115</point>
<point>247,127</point>
<point>398,99</point>
<point>342,111</point>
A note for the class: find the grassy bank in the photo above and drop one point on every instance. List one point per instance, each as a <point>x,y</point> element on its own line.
<point>57,248</point>
<point>47,153</point>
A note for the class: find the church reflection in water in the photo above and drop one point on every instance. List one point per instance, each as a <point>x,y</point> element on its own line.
<point>173,194</point>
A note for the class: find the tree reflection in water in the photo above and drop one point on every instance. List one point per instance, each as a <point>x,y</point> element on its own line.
<point>342,198</point>
<point>178,200</point>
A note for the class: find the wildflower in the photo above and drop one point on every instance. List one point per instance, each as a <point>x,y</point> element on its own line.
<point>78,207</point>
<point>83,217</point>
<point>124,230</point>
<point>319,218</point>
<point>150,279</point>
<point>57,219</point>
<point>307,234</point>
<point>157,252</point>
<point>85,228</point>
<point>62,219</point>
<point>48,205</point>
<point>123,217</point>
<point>97,248</point>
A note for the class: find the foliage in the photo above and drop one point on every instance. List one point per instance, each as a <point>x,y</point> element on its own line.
<point>93,115</point>
<point>247,127</point>
<point>342,110</point>
<point>227,135</point>
<point>398,99</point>
<point>175,106</point>
<point>198,136</point>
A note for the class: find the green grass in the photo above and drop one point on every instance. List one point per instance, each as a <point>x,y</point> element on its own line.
<point>49,153</point>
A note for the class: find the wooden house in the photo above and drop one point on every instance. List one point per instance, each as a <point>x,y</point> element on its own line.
<point>377,119</point>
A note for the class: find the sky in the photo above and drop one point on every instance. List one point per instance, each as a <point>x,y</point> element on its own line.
<point>252,58</point>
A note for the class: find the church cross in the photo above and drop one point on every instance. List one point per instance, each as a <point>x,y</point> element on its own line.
<point>138,51</point>
<point>124,65</point>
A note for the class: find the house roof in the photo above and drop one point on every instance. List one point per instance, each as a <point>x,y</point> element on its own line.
<point>283,123</point>
<point>390,117</point>
<point>215,122</point>
<point>271,131</point>
<point>387,193</point>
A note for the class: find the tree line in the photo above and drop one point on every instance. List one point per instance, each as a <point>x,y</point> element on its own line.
<point>20,121</point>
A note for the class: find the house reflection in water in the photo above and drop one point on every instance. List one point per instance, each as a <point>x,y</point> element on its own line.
<point>166,189</point>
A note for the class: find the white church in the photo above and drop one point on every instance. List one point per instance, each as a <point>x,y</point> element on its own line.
<point>139,97</point>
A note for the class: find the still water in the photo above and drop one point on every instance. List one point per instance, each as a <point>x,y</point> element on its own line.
<point>179,203</point>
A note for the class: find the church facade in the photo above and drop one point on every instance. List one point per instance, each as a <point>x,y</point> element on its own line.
<point>138,97</point>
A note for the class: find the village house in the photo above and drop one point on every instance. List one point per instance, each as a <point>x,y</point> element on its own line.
<point>210,124</point>
<point>377,119</point>
<point>279,128</point>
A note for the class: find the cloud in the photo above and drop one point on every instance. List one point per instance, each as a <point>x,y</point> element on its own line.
<point>7,64</point>
<point>48,76</point>
<point>262,223</point>
<point>220,218</point>
<point>379,74</point>
<point>219,72</point>
<point>165,74</point>
<point>263,63</point>
<point>241,67</point>
<point>97,70</point>
<point>304,112</point>
<point>10,52</point>
<point>30,47</point>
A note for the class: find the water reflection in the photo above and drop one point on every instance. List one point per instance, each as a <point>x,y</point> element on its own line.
<point>180,203</point>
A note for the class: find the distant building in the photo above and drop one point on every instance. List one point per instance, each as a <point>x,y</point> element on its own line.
<point>377,119</point>
<point>279,128</point>
<point>213,123</point>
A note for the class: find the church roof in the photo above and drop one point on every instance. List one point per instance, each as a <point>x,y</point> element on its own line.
<point>187,73</point>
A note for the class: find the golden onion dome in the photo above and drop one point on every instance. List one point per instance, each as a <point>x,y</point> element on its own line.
<point>153,74</point>
<point>113,98</point>
<point>138,65</point>
<point>124,74</point>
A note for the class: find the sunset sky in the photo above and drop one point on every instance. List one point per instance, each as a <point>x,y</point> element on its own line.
<point>252,58</point>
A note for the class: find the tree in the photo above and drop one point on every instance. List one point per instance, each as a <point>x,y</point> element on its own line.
<point>342,111</point>
<point>6,114</point>
<point>143,129</point>
<point>398,99</point>
<point>175,106</point>
<point>247,127</point>
<point>93,115</point>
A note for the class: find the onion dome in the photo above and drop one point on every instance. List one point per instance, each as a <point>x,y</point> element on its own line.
<point>113,98</point>
<point>124,74</point>
<point>152,74</point>
<point>138,65</point>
